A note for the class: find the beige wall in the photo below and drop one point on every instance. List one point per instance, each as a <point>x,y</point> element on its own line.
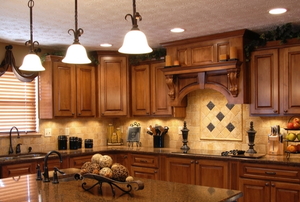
<point>198,117</point>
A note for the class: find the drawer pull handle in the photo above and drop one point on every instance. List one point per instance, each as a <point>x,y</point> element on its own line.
<point>270,173</point>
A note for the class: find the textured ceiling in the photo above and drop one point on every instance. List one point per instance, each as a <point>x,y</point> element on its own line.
<point>103,20</point>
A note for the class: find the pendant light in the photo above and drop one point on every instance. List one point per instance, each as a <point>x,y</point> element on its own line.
<point>76,53</point>
<point>31,61</point>
<point>135,41</point>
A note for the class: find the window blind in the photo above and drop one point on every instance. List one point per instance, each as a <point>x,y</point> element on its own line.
<point>17,104</point>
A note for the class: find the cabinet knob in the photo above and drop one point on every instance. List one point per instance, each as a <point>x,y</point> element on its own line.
<point>192,161</point>
<point>273,185</point>
<point>275,111</point>
<point>125,157</point>
<point>155,171</point>
<point>267,184</point>
<point>196,162</point>
<point>285,111</point>
<point>79,114</point>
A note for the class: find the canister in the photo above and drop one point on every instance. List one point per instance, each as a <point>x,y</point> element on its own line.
<point>62,142</point>
<point>88,143</point>
<point>79,143</point>
<point>73,142</point>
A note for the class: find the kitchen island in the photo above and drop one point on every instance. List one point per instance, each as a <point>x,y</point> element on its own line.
<point>26,188</point>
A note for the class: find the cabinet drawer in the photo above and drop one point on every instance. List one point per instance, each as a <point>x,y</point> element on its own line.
<point>270,172</point>
<point>77,162</point>
<point>17,169</point>
<point>144,160</point>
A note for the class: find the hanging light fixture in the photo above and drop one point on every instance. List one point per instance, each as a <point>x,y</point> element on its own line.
<point>31,61</point>
<point>76,53</point>
<point>135,41</point>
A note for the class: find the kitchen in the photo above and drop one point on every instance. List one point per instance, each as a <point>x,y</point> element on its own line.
<point>95,128</point>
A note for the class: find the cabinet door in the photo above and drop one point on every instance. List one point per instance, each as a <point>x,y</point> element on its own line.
<point>113,86</point>
<point>159,91</point>
<point>64,91</point>
<point>17,169</point>
<point>140,86</point>
<point>77,162</point>
<point>264,82</point>
<point>180,170</point>
<point>255,190</point>
<point>86,99</point>
<point>212,173</point>
<point>285,192</point>
<point>291,81</point>
<point>142,172</point>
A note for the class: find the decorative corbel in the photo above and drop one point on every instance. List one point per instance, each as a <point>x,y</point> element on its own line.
<point>233,75</point>
<point>171,86</point>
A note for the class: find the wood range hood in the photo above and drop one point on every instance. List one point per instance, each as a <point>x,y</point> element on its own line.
<point>201,68</point>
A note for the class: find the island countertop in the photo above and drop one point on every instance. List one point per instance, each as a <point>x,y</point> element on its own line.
<point>26,188</point>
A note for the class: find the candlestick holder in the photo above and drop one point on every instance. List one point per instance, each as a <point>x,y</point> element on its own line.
<point>185,133</point>
<point>251,136</point>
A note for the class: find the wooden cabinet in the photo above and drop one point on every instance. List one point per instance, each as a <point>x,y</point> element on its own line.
<point>144,166</point>
<point>113,84</point>
<point>274,81</point>
<point>264,191</point>
<point>149,90</point>
<point>14,170</point>
<point>203,172</point>
<point>67,90</point>
<point>212,173</point>
<point>263,183</point>
<point>78,161</point>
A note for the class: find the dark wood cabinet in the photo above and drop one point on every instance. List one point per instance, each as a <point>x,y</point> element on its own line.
<point>274,81</point>
<point>149,90</point>
<point>113,88</point>
<point>78,161</point>
<point>15,170</point>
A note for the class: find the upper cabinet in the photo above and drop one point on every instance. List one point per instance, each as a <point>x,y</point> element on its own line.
<point>149,90</point>
<point>275,76</point>
<point>113,88</point>
<point>202,67</point>
<point>66,90</point>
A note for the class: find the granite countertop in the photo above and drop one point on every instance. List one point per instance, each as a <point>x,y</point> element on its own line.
<point>293,160</point>
<point>26,188</point>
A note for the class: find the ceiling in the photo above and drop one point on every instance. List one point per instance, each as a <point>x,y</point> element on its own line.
<point>103,21</point>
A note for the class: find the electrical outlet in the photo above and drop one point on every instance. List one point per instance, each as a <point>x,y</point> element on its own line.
<point>48,132</point>
<point>179,130</point>
<point>67,131</point>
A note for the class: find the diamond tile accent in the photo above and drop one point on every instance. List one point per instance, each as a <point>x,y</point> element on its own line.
<point>210,127</point>
<point>230,127</point>
<point>210,105</point>
<point>220,116</point>
<point>229,106</point>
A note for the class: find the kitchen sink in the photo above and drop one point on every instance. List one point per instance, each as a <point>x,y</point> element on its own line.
<point>22,156</point>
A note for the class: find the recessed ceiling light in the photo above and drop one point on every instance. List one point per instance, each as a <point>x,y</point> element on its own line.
<point>106,45</point>
<point>177,30</point>
<point>277,11</point>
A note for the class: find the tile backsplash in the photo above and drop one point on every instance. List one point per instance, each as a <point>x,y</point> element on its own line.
<point>213,125</point>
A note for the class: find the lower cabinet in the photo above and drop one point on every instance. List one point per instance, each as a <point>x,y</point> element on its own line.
<point>78,161</point>
<point>144,166</point>
<point>264,191</point>
<point>14,170</point>
<point>268,183</point>
<point>203,172</point>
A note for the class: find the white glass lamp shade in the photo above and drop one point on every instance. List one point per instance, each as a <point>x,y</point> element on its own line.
<point>135,42</point>
<point>32,62</point>
<point>76,54</point>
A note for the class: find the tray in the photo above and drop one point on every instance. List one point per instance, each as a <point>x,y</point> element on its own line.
<point>136,184</point>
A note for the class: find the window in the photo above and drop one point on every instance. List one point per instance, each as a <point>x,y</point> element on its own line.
<point>17,104</point>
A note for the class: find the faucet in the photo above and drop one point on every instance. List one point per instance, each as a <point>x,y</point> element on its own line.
<point>46,173</point>
<point>11,151</point>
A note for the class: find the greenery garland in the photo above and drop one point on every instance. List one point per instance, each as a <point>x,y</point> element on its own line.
<point>282,33</point>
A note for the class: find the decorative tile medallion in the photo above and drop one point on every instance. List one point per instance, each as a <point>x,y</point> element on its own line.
<point>218,119</point>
